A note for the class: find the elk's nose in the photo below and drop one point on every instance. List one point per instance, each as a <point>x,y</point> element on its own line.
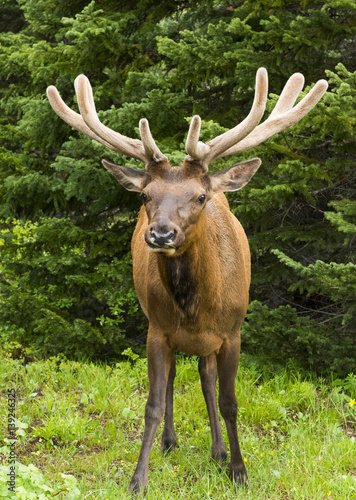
<point>162,238</point>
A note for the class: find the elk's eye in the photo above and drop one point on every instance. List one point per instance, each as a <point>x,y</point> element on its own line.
<point>144,197</point>
<point>201,199</point>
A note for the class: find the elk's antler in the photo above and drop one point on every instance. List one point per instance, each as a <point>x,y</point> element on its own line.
<point>245,135</point>
<point>88,122</point>
<point>248,133</point>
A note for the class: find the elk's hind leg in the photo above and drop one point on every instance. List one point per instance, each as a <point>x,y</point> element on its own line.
<point>208,376</point>
<point>169,439</point>
<point>227,363</point>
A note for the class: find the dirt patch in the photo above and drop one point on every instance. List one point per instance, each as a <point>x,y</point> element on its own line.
<point>350,429</point>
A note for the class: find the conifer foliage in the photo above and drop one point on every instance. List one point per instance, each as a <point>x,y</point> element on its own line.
<point>66,225</point>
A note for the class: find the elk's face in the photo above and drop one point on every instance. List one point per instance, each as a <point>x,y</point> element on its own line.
<point>175,198</point>
<point>173,208</point>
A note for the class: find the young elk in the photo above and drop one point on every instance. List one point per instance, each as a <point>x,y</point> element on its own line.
<point>191,260</point>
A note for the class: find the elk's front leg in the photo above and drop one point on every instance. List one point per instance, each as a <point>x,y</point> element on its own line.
<point>208,376</point>
<point>227,363</point>
<point>160,359</point>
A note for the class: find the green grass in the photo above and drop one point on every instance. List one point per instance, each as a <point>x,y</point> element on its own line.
<point>297,433</point>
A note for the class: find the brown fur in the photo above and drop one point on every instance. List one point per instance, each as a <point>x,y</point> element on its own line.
<point>195,301</point>
<point>216,281</point>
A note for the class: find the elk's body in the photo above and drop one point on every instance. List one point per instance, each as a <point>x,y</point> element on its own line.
<point>198,299</point>
<point>191,259</point>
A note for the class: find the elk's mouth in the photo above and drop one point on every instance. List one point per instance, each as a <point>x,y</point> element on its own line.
<point>166,249</point>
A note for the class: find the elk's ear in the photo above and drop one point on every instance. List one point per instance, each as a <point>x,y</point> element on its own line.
<point>235,177</point>
<point>130,178</point>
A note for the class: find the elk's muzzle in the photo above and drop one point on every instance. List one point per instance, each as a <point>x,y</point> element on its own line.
<point>164,237</point>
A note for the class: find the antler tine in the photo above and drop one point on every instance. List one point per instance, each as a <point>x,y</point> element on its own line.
<point>195,148</point>
<point>149,144</point>
<point>224,141</point>
<point>206,153</point>
<point>89,123</point>
<point>71,117</point>
<point>288,95</point>
<point>121,143</point>
<point>283,115</point>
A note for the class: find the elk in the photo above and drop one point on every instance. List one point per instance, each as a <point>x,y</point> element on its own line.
<point>191,259</point>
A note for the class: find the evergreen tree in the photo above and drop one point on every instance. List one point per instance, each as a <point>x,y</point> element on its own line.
<point>65,279</point>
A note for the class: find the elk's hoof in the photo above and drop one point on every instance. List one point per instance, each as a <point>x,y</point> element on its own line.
<point>220,457</point>
<point>168,444</point>
<point>238,475</point>
<point>136,488</point>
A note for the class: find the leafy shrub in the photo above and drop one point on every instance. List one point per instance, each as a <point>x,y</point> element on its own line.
<point>31,484</point>
<point>282,334</point>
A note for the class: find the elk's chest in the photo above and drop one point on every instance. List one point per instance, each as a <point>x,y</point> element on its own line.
<point>189,314</point>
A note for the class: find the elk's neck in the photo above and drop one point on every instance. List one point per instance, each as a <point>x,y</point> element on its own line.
<point>188,277</point>
<point>181,283</point>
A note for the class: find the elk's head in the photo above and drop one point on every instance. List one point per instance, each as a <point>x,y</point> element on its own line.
<point>175,197</point>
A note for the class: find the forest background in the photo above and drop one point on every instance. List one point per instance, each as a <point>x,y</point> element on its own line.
<point>66,225</point>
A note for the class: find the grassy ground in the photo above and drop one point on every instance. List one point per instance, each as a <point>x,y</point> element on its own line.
<point>80,426</point>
